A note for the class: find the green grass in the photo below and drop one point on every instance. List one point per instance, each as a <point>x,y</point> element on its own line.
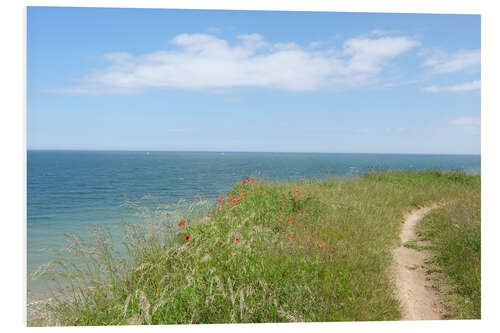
<point>335,268</point>
<point>455,234</point>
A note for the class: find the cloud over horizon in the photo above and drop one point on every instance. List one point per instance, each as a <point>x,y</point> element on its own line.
<point>206,62</point>
<point>474,85</point>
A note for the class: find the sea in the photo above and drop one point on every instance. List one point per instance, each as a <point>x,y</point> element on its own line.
<point>72,191</point>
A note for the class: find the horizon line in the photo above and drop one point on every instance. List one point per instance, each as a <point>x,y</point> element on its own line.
<point>239,151</point>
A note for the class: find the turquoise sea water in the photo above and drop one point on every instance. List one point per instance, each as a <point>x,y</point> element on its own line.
<point>69,191</point>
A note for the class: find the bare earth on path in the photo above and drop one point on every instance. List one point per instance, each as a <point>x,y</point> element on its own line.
<point>419,300</point>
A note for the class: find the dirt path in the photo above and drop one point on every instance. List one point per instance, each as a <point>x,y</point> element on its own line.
<point>418,299</point>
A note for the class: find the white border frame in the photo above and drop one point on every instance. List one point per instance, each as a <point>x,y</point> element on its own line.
<point>13,144</point>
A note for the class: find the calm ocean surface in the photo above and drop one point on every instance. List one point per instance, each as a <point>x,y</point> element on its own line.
<point>69,191</point>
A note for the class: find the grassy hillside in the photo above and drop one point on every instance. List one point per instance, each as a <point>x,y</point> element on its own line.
<point>266,252</point>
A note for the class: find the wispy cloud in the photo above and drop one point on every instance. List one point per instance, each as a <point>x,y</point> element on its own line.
<point>463,60</point>
<point>469,125</point>
<point>466,121</point>
<point>381,32</point>
<point>474,85</point>
<point>205,62</point>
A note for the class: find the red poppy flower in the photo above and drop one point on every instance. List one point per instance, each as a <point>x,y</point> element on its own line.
<point>187,238</point>
<point>261,192</point>
<point>267,214</point>
<point>254,186</point>
<point>221,243</point>
<point>312,238</point>
<point>283,218</point>
<point>339,242</point>
<point>291,237</point>
<point>290,219</point>
<point>296,190</point>
<point>328,246</point>
<point>169,226</point>
<point>182,223</point>
<point>234,201</point>
<point>208,215</point>
<point>321,243</point>
<point>239,199</point>
<point>236,239</point>
<point>244,181</point>
<point>280,213</point>
<point>227,194</point>
<point>220,200</point>
<point>243,194</point>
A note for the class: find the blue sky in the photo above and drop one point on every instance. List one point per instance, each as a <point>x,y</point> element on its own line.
<point>157,79</point>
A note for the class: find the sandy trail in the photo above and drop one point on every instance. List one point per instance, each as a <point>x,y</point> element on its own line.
<point>418,299</point>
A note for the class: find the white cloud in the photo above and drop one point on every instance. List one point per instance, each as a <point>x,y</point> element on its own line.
<point>463,60</point>
<point>469,125</point>
<point>316,44</point>
<point>474,85</point>
<point>202,61</point>
<point>381,32</point>
<point>466,121</point>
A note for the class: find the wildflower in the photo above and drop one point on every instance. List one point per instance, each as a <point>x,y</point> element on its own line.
<point>243,194</point>
<point>296,190</point>
<point>182,223</point>
<point>254,186</point>
<point>209,215</point>
<point>291,237</point>
<point>244,182</point>
<point>169,226</point>
<point>283,218</point>
<point>234,201</point>
<point>187,238</point>
<point>261,192</point>
<point>280,213</point>
<point>267,214</point>
<point>312,238</point>
<point>328,246</point>
<point>220,200</point>
<point>339,243</point>
<point>227,194</point>
<point>321,243</point>
<point>236,239</point>
<point>290,219</point>
<point>221,243</point>
<point>239,199</point>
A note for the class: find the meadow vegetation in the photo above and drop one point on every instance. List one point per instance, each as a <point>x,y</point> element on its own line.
<point>273,252</point>
<point>454,232</point>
